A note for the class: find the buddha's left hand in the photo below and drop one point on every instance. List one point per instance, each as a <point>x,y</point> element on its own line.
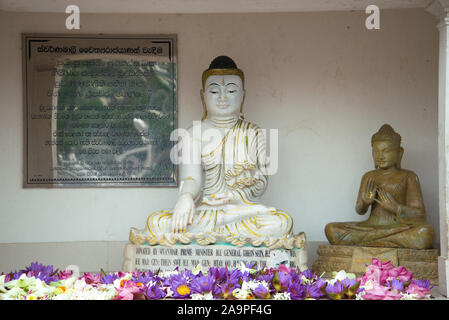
<point>387,201</point>
<point>221,199</point>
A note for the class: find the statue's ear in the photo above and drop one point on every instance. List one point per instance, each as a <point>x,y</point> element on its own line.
<point>204,105</point>
<point>401,153</point>
<point>241,106</point>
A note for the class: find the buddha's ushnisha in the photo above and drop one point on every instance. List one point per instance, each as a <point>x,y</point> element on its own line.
<point>219,197</point>
<point>397,217</point>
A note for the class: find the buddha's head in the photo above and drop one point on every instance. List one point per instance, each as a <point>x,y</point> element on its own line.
<point>223,88</point>
<point>387,150</point>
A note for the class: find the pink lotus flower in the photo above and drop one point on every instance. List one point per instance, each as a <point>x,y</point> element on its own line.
<point>380,292</point>
<point>383,272</point>
<point>400,273</point>
<point>414,288</point>
<point>284,268</point>
<point>91,279</point>
<point>65,274</point>
<point>129,290</point>
<point>372,273</point>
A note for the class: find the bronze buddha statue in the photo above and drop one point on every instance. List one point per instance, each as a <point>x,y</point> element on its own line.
<point>397,217</point>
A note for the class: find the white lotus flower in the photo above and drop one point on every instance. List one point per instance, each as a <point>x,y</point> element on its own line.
<point>39,288</point>
<point>205,296</point>
<point>253,284</point>
<point>282,296</point>
<point>241,294</point>
<point>15,293</point>
<point>341,275</point>
<point>244,269</point>
<point>2,284</point>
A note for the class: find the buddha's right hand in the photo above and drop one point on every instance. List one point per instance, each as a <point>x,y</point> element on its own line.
<point>183,213</point>
<point>221,199</point>
<point>370,192</point>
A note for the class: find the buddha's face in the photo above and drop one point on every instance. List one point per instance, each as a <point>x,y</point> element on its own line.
<point>385,154</point>
<point>223,95</point>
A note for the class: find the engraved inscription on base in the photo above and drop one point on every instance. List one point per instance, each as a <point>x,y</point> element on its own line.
<point>146,257</point>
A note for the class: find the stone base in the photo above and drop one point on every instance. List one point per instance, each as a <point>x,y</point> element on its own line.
<point>423,263</point>
<point>443,271</point>
<point>188,256</point>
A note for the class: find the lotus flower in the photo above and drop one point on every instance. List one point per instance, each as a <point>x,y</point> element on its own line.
<point>154,292</point>
<point>380,292</point>
<point>419,288</point>
<point>261,292</point>
<point>203,284</point>
<point>297,290</point>
<point>129,291</point>
<point>180,287</point>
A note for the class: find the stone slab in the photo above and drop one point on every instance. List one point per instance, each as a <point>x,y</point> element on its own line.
<point>423,263</point>
<point>188,256</point>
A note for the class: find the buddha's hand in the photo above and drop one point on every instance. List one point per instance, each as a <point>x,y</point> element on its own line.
<point>387,201</point>
<point>370,192</point>
<point>183,213</point>
<point>221,198</point>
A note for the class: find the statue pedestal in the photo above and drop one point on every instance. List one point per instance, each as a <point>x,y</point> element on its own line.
<point>146,257</point>
<point>423,263</point>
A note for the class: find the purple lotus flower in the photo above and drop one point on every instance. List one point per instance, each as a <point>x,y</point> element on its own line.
<point>188,274</point>
<point>352,287</point>
<point>261,292</point>
<point>224,290</point>
<point>218,273</point>
<point>203,284</point>
<point>335,291</point>
<point>297,290</point>
<point>109,278</point>
<point>314,289</point>
<point>285,279</point>
<point>154,292</point>
<point>36,267</point>
<point>397,284</point>
<point>169,280</point>
<point>236,277</point>
<point>251,265</point>
<point>265,277</point>
<point>39,271</point>
<point>180,287</point>
<point>143,278</point>
<point>226,282</point>
<point>348,282</point>
<point>236,273</point>
<point>308,274</point>
<point>423,283</point>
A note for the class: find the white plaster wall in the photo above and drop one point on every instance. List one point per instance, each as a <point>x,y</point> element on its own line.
<point>322,79</point>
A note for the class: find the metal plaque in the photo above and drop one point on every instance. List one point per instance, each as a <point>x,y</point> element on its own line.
<point>99,110</point>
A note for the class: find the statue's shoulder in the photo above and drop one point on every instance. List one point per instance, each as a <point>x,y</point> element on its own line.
<point>409,174</point>
<point>250,125</point>
<point>369,174</point>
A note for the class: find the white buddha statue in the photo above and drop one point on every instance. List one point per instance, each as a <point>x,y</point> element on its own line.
<point>219,194</point>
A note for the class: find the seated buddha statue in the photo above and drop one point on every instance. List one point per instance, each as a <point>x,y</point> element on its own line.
<point>219,194</point>
<point>397,217</point>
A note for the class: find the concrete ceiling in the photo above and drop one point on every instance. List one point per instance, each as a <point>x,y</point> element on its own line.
<point>204,6</point>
